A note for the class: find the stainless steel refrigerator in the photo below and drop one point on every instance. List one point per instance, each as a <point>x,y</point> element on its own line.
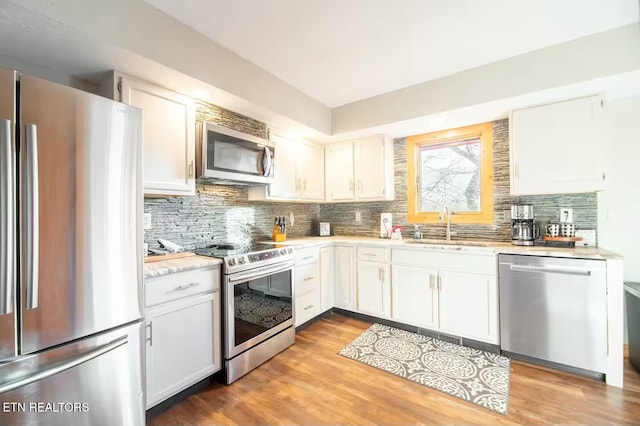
<point>70,256</point>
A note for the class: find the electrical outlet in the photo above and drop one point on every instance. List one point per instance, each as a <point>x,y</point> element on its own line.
<point>291,220</point>
<point>146,221</point>
<point>358,217</point>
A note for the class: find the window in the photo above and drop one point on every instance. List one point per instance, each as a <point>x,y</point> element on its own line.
<point>452,168</point>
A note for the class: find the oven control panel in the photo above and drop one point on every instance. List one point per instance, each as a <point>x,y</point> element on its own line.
<point>263,257</point>
<point>270,254</point>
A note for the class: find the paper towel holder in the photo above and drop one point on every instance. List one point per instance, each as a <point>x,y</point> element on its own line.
<point>386,223</point>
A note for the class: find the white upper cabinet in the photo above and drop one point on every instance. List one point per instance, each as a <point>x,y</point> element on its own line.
<point>285,183</point>
<point>299,173</point>
<point>310,172</point>
<point>360,170</point>
<point>340,184</point>
<point>168,137</point>
<point>372,168</point>
<point>557,148</point>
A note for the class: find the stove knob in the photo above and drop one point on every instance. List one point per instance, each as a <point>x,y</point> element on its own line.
<point>241,260</point>
<point>232,261</point>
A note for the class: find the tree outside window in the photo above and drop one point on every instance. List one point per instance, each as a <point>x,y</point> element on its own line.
<point>452,168</point>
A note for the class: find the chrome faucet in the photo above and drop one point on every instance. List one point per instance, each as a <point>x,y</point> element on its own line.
<point>446,212</point>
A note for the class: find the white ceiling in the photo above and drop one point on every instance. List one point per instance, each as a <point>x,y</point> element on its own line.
<point>342,51</point>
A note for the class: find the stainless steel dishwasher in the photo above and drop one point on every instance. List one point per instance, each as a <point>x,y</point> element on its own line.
<point>554,310</point>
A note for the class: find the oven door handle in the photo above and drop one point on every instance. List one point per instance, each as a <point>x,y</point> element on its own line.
<point>260,273</point>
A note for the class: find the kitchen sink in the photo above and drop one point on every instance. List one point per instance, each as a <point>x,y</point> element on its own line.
<point>470,243</point>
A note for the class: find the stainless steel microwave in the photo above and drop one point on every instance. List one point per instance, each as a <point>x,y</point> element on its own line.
<point>226,156</point>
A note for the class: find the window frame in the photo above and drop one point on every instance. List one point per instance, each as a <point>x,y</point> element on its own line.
<point>483,132</point>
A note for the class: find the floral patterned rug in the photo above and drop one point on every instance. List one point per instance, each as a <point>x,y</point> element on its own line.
<point>471,374</point>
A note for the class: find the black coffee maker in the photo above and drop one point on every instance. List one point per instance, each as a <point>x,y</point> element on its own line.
<point>524,231</point>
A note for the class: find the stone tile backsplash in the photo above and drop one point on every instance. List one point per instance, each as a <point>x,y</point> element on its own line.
<point>221,213</point>
<point>342,216</point>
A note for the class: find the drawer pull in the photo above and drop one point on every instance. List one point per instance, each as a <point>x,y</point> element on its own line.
<point>369,254</point>
<point>307,257</point>
<point>306,308</point>
<point>186,286</point>
<point>308,279</point>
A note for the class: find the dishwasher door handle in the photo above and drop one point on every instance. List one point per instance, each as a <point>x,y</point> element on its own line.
<point>551,270</point>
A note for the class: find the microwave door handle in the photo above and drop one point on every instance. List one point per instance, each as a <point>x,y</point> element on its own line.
<point>266,161</point>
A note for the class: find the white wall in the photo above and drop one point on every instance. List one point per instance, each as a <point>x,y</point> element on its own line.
<point>619,204</point>
<point>137,39</point>
<point>605,54</point>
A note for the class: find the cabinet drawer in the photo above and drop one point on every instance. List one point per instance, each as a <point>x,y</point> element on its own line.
<point>307,255</point>
<point>307,278</point>
<point>373,254</point>
<point>307,307</point>
<point>472,263</point>
<point>180,284</point>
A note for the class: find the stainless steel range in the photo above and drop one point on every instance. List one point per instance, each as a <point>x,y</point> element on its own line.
<point>258,304</point>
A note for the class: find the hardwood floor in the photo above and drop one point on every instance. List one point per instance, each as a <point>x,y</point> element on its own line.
<point>309,384</point>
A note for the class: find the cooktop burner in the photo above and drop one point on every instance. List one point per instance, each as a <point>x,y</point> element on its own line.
<point>228,249</point>
<point>238,257</point>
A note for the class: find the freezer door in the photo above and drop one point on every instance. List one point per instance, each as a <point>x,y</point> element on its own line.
<point>8,248</point>
<point>81,213</point>
<point>95,381</point>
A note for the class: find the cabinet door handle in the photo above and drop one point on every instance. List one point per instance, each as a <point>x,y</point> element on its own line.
<point>360,185</point>
<point>381,275</point>
<point>191,168</point>
<point>517,171</point>
<point>298,184</point>
<point>350,185</point>
<point>431,281</point>
<point>150,338</point>
<point>306,308</point>
<point>439,283</point>
<point>308,279</point>
<point>304,184</point>
<point>186,286</point>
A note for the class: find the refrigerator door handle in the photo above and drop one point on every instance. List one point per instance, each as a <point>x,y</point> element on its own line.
<point>7,224</point>
<point>63,365</point>
<point>31,215</point>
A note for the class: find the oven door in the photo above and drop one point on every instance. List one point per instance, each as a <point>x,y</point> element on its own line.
<point>258,305</point>
<point>237,157</point>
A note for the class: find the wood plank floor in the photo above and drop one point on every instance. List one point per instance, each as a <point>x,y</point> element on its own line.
<point>309,384</point>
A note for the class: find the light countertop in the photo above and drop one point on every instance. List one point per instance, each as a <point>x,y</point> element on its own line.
<point>483,247</point>
<point>164,267</point>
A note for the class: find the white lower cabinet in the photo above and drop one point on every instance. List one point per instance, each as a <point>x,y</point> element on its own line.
<point>344,288</point>
<point>452,293</point>
<point>307,285</point>
<point>374,289</point>
<point>467,305</point>
<point>327,277</point>
<point>183,340</point>
<point>413,296</point>
<point>443,291</point>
